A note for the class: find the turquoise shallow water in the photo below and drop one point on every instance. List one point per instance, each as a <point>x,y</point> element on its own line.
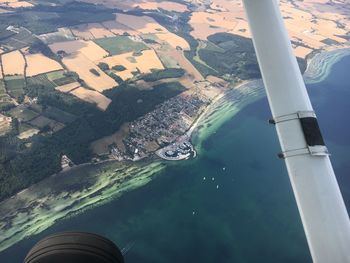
<point>233,203</point>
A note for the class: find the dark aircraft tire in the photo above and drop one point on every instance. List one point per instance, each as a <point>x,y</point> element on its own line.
<point>74,247</point>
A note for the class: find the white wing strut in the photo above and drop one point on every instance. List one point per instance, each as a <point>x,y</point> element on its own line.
<point>321,206</point>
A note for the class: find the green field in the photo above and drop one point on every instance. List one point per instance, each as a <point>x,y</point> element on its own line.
<point>22,127</point>
<point>58,115</point>
<point>3,94</point>
<point>42,122</point>
<point>52,76</point>
<point>119,45</point>
<point>40,80</point>
<point>15,86</point>
<point>22,113</point>
<point>5,99</point>
<point>163,74</point>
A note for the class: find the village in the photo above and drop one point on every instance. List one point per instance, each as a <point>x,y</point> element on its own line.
<point>160,127</point>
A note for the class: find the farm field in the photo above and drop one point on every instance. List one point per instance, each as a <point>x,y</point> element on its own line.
<point>15,38</point>
<point>91,96</point>
<point>58,115</point>
<point>40,81</point>
<point>22,113</point>
<point>120,44</point>
<point>83,66</point>
<point>166,5</point>
<point>143,63</point>
<point>5,99</point>
<point>68,87</point>
<point>91,31</point>
<point>89,49</point>
<point>5,124</point>
<point>11,68</point>
<point>41,122</point>
<point>15,86</point>
<point>138,25</point>
<point>38,64</point>
<point>59,78</point>
<point>151,5</point>
<point>15,3</point>
<point>28,133</point>
<point>62,34</point>
<point>308,31</point>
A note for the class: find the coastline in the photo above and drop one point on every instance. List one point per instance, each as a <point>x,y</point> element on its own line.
<point>319,66</point>
<point>43,204</point>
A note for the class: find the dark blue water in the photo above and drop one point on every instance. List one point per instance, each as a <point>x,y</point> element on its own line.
<point>233,203</point>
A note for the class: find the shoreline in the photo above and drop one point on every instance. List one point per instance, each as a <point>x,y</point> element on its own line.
<point>40,206</point>
<point>319,65</point>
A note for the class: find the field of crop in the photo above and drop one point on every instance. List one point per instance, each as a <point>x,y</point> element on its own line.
<point>91,96</point>
<point>38,64</point>
<point>120,44</point>
<point>166,5</point>
<point>11,68</point>
<point>22,113</point>
<point>40,80</point>
<point>140,25</point>
<point>91,31</point>
<point>55,75</point>
<point>5,99</point>
<point>28,133</point>
<point>143,62</point>
<point>83,66</point>
<point>64,80</point>
<point>89,49</point>
<point>15,86</point>
<point>58,115</point>
<point>18,38</point>
<point>62,34</point>
<point>15,3</point>
<point>43,122</point>
<point>68,87</point>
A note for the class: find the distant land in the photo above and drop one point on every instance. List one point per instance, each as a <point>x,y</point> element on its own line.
<point>94,81</point>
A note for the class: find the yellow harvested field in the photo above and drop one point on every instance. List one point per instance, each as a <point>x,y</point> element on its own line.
<point>309,22</point>
<point>13,63</point>
<point>82,66</point>
<point>205,24</point>
<point>93,97</point>
<point>173,40</point>
<point>302,52</point>
<point>166,5</point>
<point>142,24</point>
<point>127,5</point>
<point>136,25</point>
<point>28,133</point>
<point>89,49</point>
<point>68,87</point>
<point>179,56</point>
<point>38,64</point>
<point>145,62</point>
<point>91,31</point>
<point>20,4</point>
